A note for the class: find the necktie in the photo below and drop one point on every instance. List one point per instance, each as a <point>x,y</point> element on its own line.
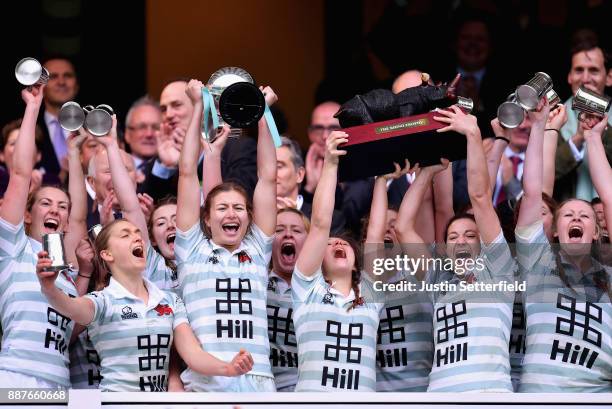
<point>516,161</point>
<point>58,140</point>
<point>118,215</point>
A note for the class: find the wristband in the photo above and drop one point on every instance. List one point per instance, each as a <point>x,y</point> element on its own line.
<point>552,129</point>
<point>503,138</point>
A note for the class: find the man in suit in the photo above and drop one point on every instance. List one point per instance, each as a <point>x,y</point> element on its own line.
<point>62,87</point>
<point>142,128</point>
<point>590,67</point>
<point>289,175</point>
<point>238,158</point>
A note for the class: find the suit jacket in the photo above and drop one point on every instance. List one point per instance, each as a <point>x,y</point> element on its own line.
<point>48,159</point>
<point>238,164</point>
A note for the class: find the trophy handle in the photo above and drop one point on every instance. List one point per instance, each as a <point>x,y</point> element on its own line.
<point>209,109</point>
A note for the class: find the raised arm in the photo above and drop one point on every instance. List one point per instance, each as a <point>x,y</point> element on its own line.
<point>556,120</point>
<point>502,139</point>
<point>405,225</point>
<point>188,200</point>
<point>377,223</point>
<point>23,160</point>
<point>599,168</point>
<point>479,186</point>
<point>122,183</point>
<point>443,201</point>
<point>533,174</point>
<point>311,256</point>
<point>80,309</point>
<point>77,221</point>
<point>264,197</point>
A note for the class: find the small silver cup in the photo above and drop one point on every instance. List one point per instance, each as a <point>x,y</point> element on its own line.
<point>589,102</point>
<point>53,244</point>
<point>30,72</point>
<point>510,114</point>
<point>99,120</point>
<point>466,104</point>
<point>93,233</point>
<point>71,116</point>
<point>552,98</point>
<point>528,95</point>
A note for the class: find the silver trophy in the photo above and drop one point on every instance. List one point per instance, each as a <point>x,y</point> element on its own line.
<point>589,102</point>
<point>510,114</point>
<point>99,120</point>
<point>93,232</point>
<point>528,95</point>
<point>238,102</point>
<point>71,116</point>
<point>466,104</point>
<point>552,98</point>
<point>53,244</point>
<point>30,72</point>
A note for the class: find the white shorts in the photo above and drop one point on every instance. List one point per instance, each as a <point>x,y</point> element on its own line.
<point>10,379</point>
<point>194,382</point>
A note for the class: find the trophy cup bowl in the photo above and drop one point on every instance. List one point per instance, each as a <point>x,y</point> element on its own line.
<point>239,103</point>
<point>53,244</point>
<point>552,98</point>
<point>93,232</point>
<point>99,120</point>
<point>30,72</point>
<point>589,102</point>
<point>528,95</point>
<point>71,116</point>
<point>510,114</point>
<point>466,104</point>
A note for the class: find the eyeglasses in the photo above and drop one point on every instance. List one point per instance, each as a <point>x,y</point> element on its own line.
<point>320,129</point>
<point>144,127</point>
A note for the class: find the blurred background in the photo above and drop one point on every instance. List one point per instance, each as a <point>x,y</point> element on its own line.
<point>309,51</point>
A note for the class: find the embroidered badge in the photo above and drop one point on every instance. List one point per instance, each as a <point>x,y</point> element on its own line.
<point>243,257</point>
<point>272,284</point>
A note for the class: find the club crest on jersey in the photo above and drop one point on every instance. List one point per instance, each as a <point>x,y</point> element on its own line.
<point>243,257</point>
<point>127,314</point>
<point>328,298</point>
<point>163,309</point>
<point>272,284</point>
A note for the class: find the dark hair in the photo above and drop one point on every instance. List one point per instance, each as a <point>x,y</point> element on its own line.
<point>596,200</point>
<point>222,188</point>
<point>100,244</point>
<point>32,196</point>
<point>586,43</point>
<point>356,273</point>
<point>165,201</point>
<point>16,124</point>
<point>456,217</point>
<point>63,57</point>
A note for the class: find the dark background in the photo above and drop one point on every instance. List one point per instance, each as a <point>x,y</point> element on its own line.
<point>366,43</point>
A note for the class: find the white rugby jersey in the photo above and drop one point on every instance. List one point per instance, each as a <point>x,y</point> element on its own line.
<point>84,363</point>
<point>283,345</point>
<point>159,273</point>
<point>518,336</point>
<point>471,332</point>
<point>133,340</point>
<point>569,342</point>
<point>36,336</point>
<point>337,345</point>
<point>225,297</point>
<point>404,345</point>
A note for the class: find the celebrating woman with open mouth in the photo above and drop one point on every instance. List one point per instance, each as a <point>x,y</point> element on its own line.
<point>471,330</point>
<point>568,300</point>
<point>333,304</point>
<point>223,253</point>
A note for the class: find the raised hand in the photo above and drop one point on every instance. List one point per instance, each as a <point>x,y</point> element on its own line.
<point>540,115</point>
<point>314,165</point>
<point>33,96</point>
<point>398,172</point>
<point>597,130</point>
<point>457,121</point>
<point>193,90</point>
<point>217,145</point>
<point>332,153</point>
<point>269,95</point>
<point>241,364</point>
<point>111,138</point>
<point>285,202</point>
<point>85,255</point>
<point>46,277</point>
<point>557,117</point>
<point>146,204</point>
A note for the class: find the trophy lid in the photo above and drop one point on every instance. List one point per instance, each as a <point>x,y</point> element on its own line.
<point>242,104</point>
<point>226,76</point>
<point>98,122</point>
<point>28,70</point>
<point>71,116</point>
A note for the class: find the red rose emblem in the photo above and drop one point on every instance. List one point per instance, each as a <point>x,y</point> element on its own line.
<point>163,309</point>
